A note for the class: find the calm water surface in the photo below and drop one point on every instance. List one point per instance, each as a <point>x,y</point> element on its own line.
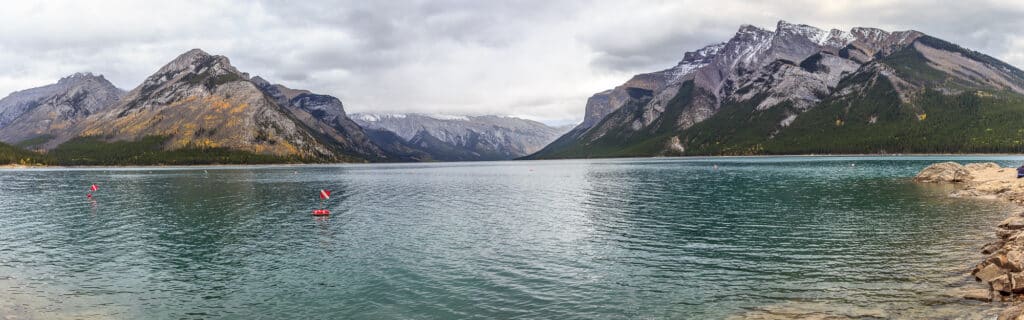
<point>577,239</point>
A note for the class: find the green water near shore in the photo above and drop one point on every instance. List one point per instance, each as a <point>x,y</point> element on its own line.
<point>572,239</point>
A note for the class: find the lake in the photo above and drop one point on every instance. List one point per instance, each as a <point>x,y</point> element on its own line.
<point>675,238</point>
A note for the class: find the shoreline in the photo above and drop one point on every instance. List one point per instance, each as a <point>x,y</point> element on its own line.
<point>890,155</point>
<point>1002,268</point>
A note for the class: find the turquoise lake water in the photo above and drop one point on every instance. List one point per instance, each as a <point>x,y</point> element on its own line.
<point>572,239</point>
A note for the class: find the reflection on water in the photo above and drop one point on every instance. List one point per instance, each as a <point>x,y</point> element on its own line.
<point>663,238</point>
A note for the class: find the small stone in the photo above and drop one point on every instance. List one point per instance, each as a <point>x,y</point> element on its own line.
<point>978,294</point>
<point>988,273</point>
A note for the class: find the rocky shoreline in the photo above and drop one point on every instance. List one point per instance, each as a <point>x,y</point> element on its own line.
<point>1002,270</point>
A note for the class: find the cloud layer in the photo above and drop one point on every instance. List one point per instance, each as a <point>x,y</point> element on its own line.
<point>537,59</point>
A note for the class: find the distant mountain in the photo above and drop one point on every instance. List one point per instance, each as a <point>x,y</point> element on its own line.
<point>800,89</point>
<point>29,117</point>
<point>463,138</point>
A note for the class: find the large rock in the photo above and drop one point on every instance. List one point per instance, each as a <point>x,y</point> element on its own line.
<point>989,273</point>
<point>1001,283</point>
<point>1017,282</point>
<point>943,172</point>
<point>1015,262</point>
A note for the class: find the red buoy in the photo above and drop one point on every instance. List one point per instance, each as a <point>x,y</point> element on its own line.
<point>321,212</point>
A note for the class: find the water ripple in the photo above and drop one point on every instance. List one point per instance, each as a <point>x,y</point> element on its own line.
<point>591,239</point>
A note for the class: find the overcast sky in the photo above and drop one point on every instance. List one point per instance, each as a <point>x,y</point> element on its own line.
<point>535,59</point>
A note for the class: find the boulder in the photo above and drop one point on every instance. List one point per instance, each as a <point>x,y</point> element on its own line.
<point>1015,262</point>
<point>943,172</point>
<point>988,273</point>
<point>998,260</point>
<point>1017,282</point>
<point>1001,284</point>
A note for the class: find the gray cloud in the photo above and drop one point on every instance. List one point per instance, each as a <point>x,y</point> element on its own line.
<point>533,58</point>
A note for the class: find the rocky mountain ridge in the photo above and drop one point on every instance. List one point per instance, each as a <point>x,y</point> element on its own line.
<point>200,100</point>
<point>39,111</point>
<point>195,102</point>
<point>765,80</point>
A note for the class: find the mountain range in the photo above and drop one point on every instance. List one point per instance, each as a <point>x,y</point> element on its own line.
<point>799,89</point>
<point>462,138</point>
<point>796,89</point>
<point>198,108</point>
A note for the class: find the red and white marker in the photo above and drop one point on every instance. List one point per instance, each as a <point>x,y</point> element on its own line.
<point>324,195</point>
<point>92,188</point>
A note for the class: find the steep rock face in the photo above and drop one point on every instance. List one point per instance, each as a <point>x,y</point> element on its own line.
<point>803,85</point>
<point>745,97</point>
<point>201,101</point>
<point>325,115</point>
<point>604,103</point>
<point>35,113</point>
<point>464,138</point>
<point>869,43</point>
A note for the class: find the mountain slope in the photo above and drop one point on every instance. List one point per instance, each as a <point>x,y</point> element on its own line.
<point>325,115</point>
<point>28,117</point>
<point>470,138</point>
<point>200,104</point>
<point>775,91</point>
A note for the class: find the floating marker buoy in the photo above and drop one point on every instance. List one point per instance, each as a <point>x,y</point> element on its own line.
<point>92,188</point>
<point>324,195</point>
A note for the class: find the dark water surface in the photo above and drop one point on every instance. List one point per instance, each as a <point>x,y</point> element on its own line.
<point>574,239</point>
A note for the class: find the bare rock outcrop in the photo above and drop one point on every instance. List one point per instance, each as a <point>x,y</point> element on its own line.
<point>1002,270</point>
<point>944,172</point>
